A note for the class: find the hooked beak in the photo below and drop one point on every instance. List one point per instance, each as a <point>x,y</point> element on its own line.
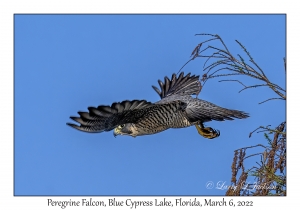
<point>116,132</point>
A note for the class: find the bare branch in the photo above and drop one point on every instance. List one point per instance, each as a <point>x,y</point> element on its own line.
<point>251,59</point>
<point>253,86</point>
<point>233,81</point>
<point>270,100</point>
<point>184,65</point>
<point>253,155</point>
<point>237,65</point>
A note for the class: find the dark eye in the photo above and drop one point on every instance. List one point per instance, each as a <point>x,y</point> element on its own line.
<point>122,125</point>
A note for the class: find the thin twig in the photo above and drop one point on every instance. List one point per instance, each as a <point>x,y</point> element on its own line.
<point>227,80</point>
<point>270,100</point>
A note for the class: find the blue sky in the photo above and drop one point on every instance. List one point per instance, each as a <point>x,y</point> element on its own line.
<point>66,63</point>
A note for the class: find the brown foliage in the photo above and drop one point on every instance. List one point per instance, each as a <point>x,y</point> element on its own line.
<point>269,173</point>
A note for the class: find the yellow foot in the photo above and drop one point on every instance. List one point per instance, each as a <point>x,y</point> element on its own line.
<point>207,132</point>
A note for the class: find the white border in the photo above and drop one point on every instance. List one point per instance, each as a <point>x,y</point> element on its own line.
<point>9,8</point>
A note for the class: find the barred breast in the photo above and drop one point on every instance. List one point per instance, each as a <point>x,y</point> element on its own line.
<point>161,118</point>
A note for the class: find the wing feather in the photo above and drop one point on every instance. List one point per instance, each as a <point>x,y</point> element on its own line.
<point>106,118</point>
<point>183,85</point>
<point>100,119</point>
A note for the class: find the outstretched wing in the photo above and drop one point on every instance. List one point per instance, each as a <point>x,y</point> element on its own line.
<point>183,85</point>
<point>106,118</point>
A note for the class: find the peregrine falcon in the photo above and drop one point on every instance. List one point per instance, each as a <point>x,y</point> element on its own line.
<point>176,109</point>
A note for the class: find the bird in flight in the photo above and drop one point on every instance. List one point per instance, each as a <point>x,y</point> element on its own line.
<point>176,109</point>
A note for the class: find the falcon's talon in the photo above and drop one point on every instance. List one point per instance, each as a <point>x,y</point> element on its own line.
<point>207,132</point>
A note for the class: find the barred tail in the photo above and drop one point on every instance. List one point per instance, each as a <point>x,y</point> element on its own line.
<point>208,111</point>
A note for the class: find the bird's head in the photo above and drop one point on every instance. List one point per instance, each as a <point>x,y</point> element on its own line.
<point>125,129</point>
